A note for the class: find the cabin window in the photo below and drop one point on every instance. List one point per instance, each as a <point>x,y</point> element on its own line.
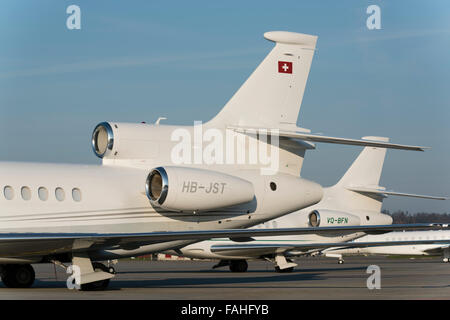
<point>8,192</point>
<point>26,193</point>
<point>76,194</point>
<point>60,194</point>
<point>273,186</point>
<point>43,193</point>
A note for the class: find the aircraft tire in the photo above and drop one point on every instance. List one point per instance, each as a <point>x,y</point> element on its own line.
<point>18,276</point>
<point>238,266</point>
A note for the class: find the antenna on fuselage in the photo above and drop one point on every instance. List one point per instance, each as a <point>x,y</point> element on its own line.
<point>159,119</point>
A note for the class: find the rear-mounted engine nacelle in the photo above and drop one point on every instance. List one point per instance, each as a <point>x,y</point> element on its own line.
<point>102,139</point>
<point>329,218</point>
<point>192,190</point>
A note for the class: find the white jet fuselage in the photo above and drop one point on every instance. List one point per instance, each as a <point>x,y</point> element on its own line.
<point>415,249</point>
<point>111,198</point>
<point>205,249</point>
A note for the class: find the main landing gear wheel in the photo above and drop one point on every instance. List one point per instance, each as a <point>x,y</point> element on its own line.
<point>98,285</point>
<point>238,266</point>
<point>340,261</point>
<point>111,270</point>
<point>18,275</point>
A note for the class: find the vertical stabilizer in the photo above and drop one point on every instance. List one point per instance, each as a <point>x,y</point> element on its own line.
<point>366,169</point>
<point>272,95</point>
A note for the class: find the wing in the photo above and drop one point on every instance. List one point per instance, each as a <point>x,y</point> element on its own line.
<point>32,244</point>
<point>273,248</point>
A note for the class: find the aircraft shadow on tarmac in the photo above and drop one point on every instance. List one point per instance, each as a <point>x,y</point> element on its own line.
<point>227,278</point>
<point>214,282</point>
<point>225,270</point>
<point>191,282</point>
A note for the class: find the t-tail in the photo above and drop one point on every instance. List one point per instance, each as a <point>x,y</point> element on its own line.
<point>271,97</point>
<point>270,100</point>
<point>359,189</point>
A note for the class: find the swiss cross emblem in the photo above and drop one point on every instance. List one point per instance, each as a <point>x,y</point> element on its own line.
<point>284,67</point>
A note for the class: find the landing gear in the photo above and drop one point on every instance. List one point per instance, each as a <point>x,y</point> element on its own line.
<point>17,275</point>
<point>446,257</point>
<point>90,276</point>
<point>222,263</point>
<point>238,266</point>
<point>335,255</point>
<point>98,285</point>
<point>284,265</point>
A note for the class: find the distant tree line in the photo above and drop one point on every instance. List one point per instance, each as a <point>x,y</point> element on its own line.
<point>404,217</point>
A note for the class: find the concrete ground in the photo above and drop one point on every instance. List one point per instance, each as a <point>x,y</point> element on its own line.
<point>314,278</point>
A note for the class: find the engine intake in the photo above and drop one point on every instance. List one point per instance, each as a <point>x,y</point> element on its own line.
<point>191,189</point>
<point>102,139</point>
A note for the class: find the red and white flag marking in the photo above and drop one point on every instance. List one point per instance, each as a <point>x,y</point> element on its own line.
<point>284,67</point>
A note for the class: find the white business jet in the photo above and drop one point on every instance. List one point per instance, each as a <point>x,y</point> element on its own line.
<point>355,200</point>
<point>392,243</point>
<point>163,187</point>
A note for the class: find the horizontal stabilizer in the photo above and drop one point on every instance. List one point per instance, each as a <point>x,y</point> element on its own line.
<point>326,139</point>
<point>393,193</point>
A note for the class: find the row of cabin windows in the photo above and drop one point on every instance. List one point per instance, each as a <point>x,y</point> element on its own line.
<point>438,237</point>
<point>43,193</point>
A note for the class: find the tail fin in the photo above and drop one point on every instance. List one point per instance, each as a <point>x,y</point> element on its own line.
<point>272,95</point>
<point>365,171</point>
<point>358,190</point>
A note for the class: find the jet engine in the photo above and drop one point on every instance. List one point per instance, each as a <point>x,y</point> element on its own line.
<point>191,189</point>
<point>121,140</point>
<point>330,218</point>
<point>102,139</point>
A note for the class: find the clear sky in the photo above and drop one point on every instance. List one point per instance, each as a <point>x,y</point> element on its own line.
<point>139,60</point>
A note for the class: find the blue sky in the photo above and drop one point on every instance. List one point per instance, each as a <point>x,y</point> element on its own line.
<point>136,61</point>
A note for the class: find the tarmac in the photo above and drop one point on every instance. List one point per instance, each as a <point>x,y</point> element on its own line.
<point>314,278</point>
